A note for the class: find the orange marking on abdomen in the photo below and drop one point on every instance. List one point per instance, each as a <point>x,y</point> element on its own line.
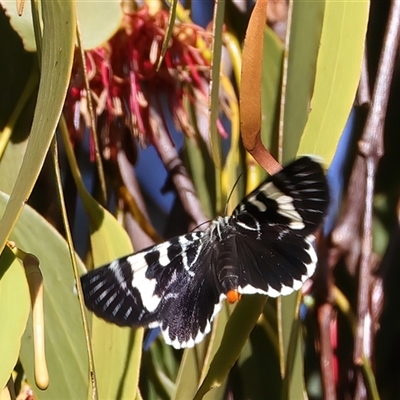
<point>233,296</point>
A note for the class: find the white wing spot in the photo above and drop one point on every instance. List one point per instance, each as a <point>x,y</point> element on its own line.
<point>128,313</point>
<point>297,225</point>
<point>104,294</point>
<point>245,226</point>
<point>285,290</point>
<point>248,289</point>
<point>259,204</point>
<point>313,255</point>
<point>145,286</point>
<point>184,243</point>
<point>285,205</point>
<point>163,250</point>
<point>97,287</point>
<point>109,301</point>
<point>297,284</point>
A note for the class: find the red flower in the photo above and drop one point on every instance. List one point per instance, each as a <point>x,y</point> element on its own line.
<point>128,90</point>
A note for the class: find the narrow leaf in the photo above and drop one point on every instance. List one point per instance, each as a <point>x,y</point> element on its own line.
<point>235,336</point>
<point>218,23</point>
<point>337,76</point>
<point>14,312</point>
<point>58,47</point>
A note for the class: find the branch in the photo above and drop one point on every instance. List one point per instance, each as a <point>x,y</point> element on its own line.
<point>328,326</point>
<point>371,147</point>
<point>184,186</point>
<point>346,234</point>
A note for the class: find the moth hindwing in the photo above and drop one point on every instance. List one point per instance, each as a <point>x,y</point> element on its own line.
<point>264,247</point>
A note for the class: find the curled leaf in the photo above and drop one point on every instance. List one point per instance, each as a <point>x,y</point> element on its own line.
<point>250,89</point>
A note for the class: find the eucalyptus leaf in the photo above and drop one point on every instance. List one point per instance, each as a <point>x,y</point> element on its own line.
<point>64,337</point>
<point>303,45</point>
<point>236,333</point>
<point>14,312</point>
<point>98,21</point>
<point>56,64</point>
<point>337,76</point>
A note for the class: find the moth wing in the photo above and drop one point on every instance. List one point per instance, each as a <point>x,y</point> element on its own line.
<point>120,292</point>
<point>170,285</point>
<point>187,316</point>
<point>275,265</point>
<point>275,226</point>
<point>297,196</point>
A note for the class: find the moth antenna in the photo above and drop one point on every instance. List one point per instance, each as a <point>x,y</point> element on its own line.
<point>231,192</point>
<point>203,223</point>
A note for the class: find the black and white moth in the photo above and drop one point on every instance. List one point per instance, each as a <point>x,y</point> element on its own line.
<point>264,247</point>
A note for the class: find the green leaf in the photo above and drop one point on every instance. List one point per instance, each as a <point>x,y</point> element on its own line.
<point>217,333</point>
<point>202,171</point>
<point>301,65</point>
<point>270,90</point>
<point>14,312</point>
<point>57,54</point>
<point>293,382</point>
<point>98,21</point>
<point>258,360</point>
<point>196,361</point>
<point>116,351</point>
<point>215,139</point>
<point>337,76</point>
<point>13,156</point>
<point>189,373</point>
<point>160,366</point>
<point>168,33</point>
<point>236,333</point>
<point>64,336</point>
<point>331,79</point>
<point>233,187</point>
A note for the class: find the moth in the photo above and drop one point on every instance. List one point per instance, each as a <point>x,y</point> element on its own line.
<point>265,246</point>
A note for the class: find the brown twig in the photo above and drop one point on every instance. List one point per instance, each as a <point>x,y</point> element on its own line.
<point>325,321</point>
<point>92,118</point>
<point>184,186</point>
<point>130,203</point>
<point>346,242</point>
<point>136,227</point>
<point>364,94</point>
<point>371,147</point>
<point>129,193</point>
<point>323,286</point>
<point>346,235</point>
